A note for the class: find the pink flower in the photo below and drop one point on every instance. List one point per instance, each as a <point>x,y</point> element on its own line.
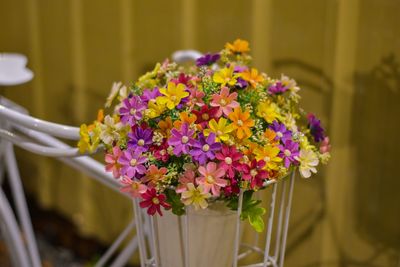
<point>185,178</point>
<point>225,101</point>
<point>325,146</point>
<point>153,202</point>
<point>211,178</point>
<point>112,164</point>
<point>196,97</point>
<point>134,188</point>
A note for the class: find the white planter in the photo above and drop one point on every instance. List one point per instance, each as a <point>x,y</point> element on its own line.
<point>211,235</point>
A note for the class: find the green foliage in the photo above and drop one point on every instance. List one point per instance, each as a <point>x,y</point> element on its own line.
<point>174,200</point>
<point>250,210</point>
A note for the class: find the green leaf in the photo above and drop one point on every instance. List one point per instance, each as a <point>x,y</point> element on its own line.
<point>250,210</point>
<point>177,206</point>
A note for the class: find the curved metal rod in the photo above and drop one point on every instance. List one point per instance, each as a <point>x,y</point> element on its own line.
<point>10,228</point>
<point>55,129</point>
<point>85,164</point>
<point>20,203</point>
<point>186,55</point>
<point>39,149</point>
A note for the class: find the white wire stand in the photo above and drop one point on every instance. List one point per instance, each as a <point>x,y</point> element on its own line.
<point>37,136</point>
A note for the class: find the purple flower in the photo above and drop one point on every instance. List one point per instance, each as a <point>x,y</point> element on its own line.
<point>207,59</point>
<point>289,153</point>
<point>182,140</point>
<point>238,68</point>
<point>140,138</point>
<point>277,88</point>
<point>131,110</point>
<point>281,132</point>
<point>132,163</point>
<point>205,148</point>
<point>241,83</point>
<point>315,128</point>
<point>150,94</point>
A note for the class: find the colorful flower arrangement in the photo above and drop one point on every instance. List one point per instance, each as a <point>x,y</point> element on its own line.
<point>193,135</point>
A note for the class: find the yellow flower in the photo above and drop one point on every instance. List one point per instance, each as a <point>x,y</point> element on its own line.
<point>241,122</point>
<point>90,137</point>
<point>238,46</point>
<point>269,154</point>
<point>195,196</point>
<point>252,77</point>
<point>173,95</point>
<point>225,76</point>
<point>221,129</point>
<point>268,111</point>
<point>155,109</point>
<point>149,80</point>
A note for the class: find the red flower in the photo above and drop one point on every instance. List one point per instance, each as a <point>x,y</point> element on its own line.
<point>160,152</point>
<point>153,202</point>
<point>205,114</point>
<point>254,173</point>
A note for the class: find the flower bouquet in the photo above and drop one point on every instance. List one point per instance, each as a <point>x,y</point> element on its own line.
<point>199,135</point>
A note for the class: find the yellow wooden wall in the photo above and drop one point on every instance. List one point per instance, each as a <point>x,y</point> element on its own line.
<point>339,51</point>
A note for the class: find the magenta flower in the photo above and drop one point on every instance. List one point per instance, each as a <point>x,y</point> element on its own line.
<point>211,178</point>
<point>229,157</point>
<point>153,202</point>
<point>181,139</point>
<point>132,163</point>
<point>289,153</point>
<point>131,110</point>
<point>112,164</point>
<point>207,59</point>
<point>281,132</point>
<point>277,88</point>
<point>255,174</point>
<point>225,102</point>
<point>205,148</point>
<point>140,138</point>
<point>150,95</point>
<point>315,128</point>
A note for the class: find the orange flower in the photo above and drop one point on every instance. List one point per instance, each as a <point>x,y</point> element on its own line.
<point>100,115</point>
<point>154,175</point>
<point>238,46</point>
<point>249,149</point>
<point>252,77</point>
<point>242,122</point>
<point>270,135</point>
<point>185,117</point>
<point>165,127</point>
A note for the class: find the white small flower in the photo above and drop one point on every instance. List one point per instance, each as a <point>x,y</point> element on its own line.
<point>109,130</point>
<point>308,161</point>
<point>115,89</point>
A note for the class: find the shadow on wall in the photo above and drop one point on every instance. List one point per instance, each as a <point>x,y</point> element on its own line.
<point>376,136</point>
